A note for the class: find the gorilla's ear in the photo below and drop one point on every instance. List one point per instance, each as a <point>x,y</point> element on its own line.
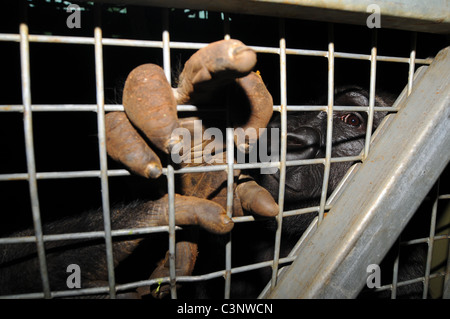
<point>351,96</point>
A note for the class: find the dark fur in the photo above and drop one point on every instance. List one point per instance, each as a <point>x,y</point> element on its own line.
<point>19,265</point>
<point>305,140</point>
<point>252,242</point>
<point>304,183</point>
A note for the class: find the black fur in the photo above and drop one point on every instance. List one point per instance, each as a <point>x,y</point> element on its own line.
<point>252,242</point>
<point>19,265</point>
<point>306,133</point>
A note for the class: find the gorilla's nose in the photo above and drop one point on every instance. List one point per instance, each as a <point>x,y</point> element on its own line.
<point>302,143</point>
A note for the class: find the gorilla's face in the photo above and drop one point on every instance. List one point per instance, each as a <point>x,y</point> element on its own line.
<point>306,139</point>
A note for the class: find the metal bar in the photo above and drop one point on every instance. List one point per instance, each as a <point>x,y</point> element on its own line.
<point>226,26</point>
<point>61,175</point>
<point>195,46</point>
<point>172,243</point>
<point>395,274</point>
<point>446,293</point>
<point>85,108</point>
<point>373,77</point>
<point>217,274</point>
<point>307,210</point>
<point>87,235</point>
<point>341,55</point>
<point>158,229</point>
<point>409,282</point>
<point>430,16</point>
<point>412,62</point>
<point>283,151</point>
<point>230,177</point>
<point>170,170</point>
<point>230,188</point>
<point>446,288</point>
<point>329,134</point>
<point>423,240</point>
<point>180,108</point>
<point>166,45</point>
<point>398,173</point>
<point>199,169</point>
<point>29,149</point>
<point>430,245</point>
<point>103,155</point>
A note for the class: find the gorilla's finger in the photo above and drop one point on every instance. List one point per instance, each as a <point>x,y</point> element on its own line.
<point>191,210</point>
<point>185,258</point>
<point>256,199</point>
<point>213,66</point>
<point>125,145</point>
<point>211,216</point>
<point>150,105</point>
<point>261,110</point>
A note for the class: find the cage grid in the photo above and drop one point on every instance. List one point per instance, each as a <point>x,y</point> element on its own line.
<point>430,240</point>
<point>98,41</point>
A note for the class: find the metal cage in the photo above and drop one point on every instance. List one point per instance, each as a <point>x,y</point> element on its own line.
<point>331,266</point>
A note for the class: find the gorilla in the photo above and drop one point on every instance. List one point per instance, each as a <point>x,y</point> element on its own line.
<point>215,72</point>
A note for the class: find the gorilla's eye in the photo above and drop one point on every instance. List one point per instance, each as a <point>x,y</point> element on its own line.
<point>352,119</point>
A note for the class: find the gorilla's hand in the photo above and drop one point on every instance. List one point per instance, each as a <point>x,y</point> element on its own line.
<point>150,109</point>
<point>218,72</point>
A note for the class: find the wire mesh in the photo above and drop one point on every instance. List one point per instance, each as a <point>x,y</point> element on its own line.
<point>166,44</point>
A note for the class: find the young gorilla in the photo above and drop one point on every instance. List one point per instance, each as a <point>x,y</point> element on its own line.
<point>253,242</point>
<point>218,72</point>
